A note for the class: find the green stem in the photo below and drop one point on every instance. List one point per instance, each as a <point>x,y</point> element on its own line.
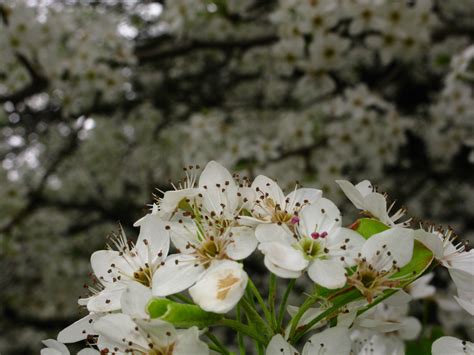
<point>272,299</point>
<point>217,343</point>
<point>242,328</point>
<point>240,338</point>
<point>338,303</point>
<point>257,322</point>
<point>215,348</point>
<point>249,295</point>
<point>281,312</point>
<point>312,299</point>
<point>260,301</point>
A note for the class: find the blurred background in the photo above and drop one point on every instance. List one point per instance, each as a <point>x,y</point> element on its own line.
<point>102,102</point>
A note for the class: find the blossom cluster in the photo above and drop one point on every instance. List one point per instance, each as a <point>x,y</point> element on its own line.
<point>197,238</point>
<point>70,61</point>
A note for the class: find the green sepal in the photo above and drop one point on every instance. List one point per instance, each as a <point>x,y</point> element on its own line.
<point>181,315</point>
<point>367,227</point>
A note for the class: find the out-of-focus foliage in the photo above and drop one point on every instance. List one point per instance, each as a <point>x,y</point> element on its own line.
<point>105,101</point>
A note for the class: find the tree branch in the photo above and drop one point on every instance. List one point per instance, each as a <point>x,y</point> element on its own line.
<point>146,54</point>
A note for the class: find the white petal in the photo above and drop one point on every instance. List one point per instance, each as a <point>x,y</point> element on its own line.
<point>365,187</point>
<point>303,196</point>
<point>278,345</point>
<point>352,247</point>
<point>247,197</point>
<point>135,300</point>
<point>280,272</point>
<point>431,241</point>
<point>221,200</point>
<point>420,288</point>
<point>221,287</point>
<point>244,243</point>
<point>466,301</point>
<point>56,345</point>
<point>410,329</point>
<point>321,216</point>
<point>78,330</point>
<point>272,232</point>
<point>189,343</point>
<point>116,327</point>
<point>214,173</point>
<point>463,280</point>
<point>398,299</point>
<point>462,261</point>
<point>451,346</point>
<point>49,351</point>
<point>284,256</point>
<point>331,341</point>
<point>352,193</point>
<point>171,199</point>
<point>376,204</point>
<point>107,263</point>
<point>397,241</point>
<point>180,272</point>
<point>183,234</point>
<point>266,186</point>
<point>107,300</point>
<point>161,331</point>
<point>327,273</point>
<point>153,230</point>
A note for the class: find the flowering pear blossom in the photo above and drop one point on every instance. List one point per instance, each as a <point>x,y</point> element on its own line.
<point>372,203</point>
<point>382,256</point>
<point>115,269</point>
<point>319,245</point>
<point>271,206</point>
<point>330,341</point>
<point>199,262</point>
<point>451,345</point>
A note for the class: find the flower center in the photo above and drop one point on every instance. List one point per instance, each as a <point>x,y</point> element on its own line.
<point>143,276</point>
<point>311,248</point>
<point>371,282</point>
<point>281,217</point>
<point>168,350</point>
<point>212,249</point>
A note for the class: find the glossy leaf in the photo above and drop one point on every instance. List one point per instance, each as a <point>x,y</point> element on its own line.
<point>181,315</point>
<point>367,227</point>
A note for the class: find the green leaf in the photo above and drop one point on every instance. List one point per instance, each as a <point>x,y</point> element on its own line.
<point>367,227</point>
<point>181,315</point>
<point>157,307</point>
<point>420,261</point>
